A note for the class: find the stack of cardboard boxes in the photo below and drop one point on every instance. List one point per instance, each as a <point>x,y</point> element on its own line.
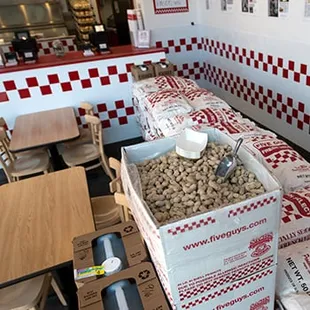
<point>92,290</point>
<point>225,258</point>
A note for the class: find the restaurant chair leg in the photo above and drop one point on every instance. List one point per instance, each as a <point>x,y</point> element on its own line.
<point>58,292</point>
<point>107,170</point>
<point>45,289</point>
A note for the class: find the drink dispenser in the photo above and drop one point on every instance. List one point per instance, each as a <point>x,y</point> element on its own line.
<point>109,251</point>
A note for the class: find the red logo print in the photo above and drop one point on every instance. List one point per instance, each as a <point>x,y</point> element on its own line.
<point>260,245</point>
<point>261,304</point>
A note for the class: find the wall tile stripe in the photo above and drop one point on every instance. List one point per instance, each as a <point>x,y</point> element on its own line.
<point>284,108</point>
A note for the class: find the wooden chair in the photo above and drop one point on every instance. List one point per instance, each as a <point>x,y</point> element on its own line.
<point>106,212</point>
<point>29,294</point>
<point>88,152</point>
<point>25,164</point>
<point>117,188</point>
<point>85,133</point>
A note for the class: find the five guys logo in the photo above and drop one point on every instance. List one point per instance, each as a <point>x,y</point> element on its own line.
<point>260,245</point>
<point>261,304</point>
<point>301,203</point>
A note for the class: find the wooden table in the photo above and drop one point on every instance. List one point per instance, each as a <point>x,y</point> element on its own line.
<point>44,129</point>
<point>39,217</point>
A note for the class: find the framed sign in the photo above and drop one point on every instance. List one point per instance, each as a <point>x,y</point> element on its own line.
<point>170,6</point>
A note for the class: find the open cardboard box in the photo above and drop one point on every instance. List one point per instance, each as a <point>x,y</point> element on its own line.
<point>142,72</point>
<point>163,68</point>
<point>83,247</point>
<point>208,250</point>
<point>152,297</point>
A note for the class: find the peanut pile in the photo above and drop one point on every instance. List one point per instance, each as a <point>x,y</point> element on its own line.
<point>176,188</point>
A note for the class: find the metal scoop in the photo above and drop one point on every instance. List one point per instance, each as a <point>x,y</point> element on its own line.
<point>229,163</point>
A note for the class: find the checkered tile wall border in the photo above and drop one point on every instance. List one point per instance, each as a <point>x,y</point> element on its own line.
<point>71,83</point>
<point>285,108</point>
<point>180,45</point>
<point>109,117</point>
<point>45,47</point>
<point>194,71</point>
<point>287,69</point>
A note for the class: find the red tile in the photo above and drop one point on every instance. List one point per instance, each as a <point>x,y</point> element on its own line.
<point>191,71</point>
<point>119,104</point>
<point>252,54</point>
<point>289,119</point>
<point>147,62</point>
<point>123,78</point>
<point>123,120</point>
<point>189,47</point>
<point>32,82</point>
<point>284,108</point>
<point>270,60</point>
<point>234,57</point>
<point>194,40</point>
<point>260,57</point>
<point>308,80</point>
<point>81,111</point>
<point>128,67</point>
<point>265,99</point>
<point>261,105</point>
<point>256,95</point>
<point>3,97</point>
<point>159,44</point>
<point>74,76</point>
<point>196,64</point>
<point>244,52</point>
<point>93,73</point>
<point>9,85</point>
<point>230,48</point>
<point>238,79</point>
<point>291,65</point>
<point>112,114</point>
<point>71,48</point>
<point>112,70</point>
<point>269,109</point>
<point>170,43</point>
<point>199,46</point>
<point>241,59</point>
<point>279,97</point>
<point>24,93</point>
<point>53,78</point>
<point>106,123</point>
<point>102,107</point>
<point>46,51</point>
<point>307,119</point>
<point>280,62</point>
<point>269,93</point>
<point>256,64</point>
<point>236,49</point>
<point>275,70</point>
<point>279,114</point>
<point>130,111</point>
<point>212,43</point>
<point>301,107</point>
<point>248,61</point>
<point>177,49</point>
<point>78,120</point>
<point>180,73</point>
<point>265,67</point>
<point>289,101</point>
<point>285,73</point>
<point>166,50</point>
<point>105,80</point>
<point>185,66</point>
<point>253,101</point>
<point>197,76</point>
<point>217,44</point>
<point>261,89</point>
<point>297,77</point>
<point>66,86</point>
<point>295,113</point>
<point>300,125</point>
<point>86,83</point>
<point>303,69</point>
<point>252,86</point>
<point>45,90</point>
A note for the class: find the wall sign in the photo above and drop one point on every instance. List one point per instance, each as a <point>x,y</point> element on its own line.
<point>170,6</point>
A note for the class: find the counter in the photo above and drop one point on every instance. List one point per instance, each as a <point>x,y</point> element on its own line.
<point>103,80</point>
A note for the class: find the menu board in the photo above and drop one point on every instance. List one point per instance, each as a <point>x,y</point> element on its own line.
<point>170,6</point>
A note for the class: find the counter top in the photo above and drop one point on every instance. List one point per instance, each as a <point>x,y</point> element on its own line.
<point>78,57</point>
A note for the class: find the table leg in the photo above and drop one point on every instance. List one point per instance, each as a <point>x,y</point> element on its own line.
<point>56,160</point>
<point>66,282</point>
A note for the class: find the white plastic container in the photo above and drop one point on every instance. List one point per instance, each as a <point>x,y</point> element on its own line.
<point>198,255</point>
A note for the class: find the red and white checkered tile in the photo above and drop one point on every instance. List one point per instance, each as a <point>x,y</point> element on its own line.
<point>284,68</point>
<point>180,45</point>
<point>268,100</point>
<point>194,71</point>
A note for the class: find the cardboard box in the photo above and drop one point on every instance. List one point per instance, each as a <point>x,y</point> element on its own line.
<point>134,248</point>
<point>212,249</point>
<point>163,68</point>
<point>151,294</point>
<point>142,72</point>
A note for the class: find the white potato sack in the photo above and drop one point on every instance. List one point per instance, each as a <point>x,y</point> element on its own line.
<point>167,103</point>
<point>291,169</point>
<point>202,98</point>
<point>295,219</point>
<point>293,276</point>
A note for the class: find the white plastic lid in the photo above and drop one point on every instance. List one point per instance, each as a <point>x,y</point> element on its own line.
<point>112,265</point>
